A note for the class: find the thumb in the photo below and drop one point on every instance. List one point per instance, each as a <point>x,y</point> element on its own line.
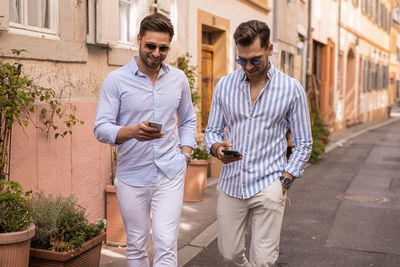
<point>226,144</point>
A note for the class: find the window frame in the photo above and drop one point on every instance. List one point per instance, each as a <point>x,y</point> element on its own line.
<point>136,20</point>
<point>25,29</point>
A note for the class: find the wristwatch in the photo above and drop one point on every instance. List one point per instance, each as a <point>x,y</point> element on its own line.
<point>188,155</point>
<point>286,182</point>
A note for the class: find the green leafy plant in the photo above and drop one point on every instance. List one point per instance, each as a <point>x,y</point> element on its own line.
<point>61,224</point>
<point>15,209</point>
<point>18,96</point>
<point>183,63</point>
<point>200,151</point>
<point>320,134</point>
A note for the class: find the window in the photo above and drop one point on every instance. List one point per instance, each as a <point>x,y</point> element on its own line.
<point>377,12</point>
<point>287,63</point>
<point>131,12</point>
<point>36,15</point>
<point>369,72</point>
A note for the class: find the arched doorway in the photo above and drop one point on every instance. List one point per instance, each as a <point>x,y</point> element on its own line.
<point>349,106</point>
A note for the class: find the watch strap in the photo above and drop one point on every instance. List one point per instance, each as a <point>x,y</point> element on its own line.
<point>188,155</point>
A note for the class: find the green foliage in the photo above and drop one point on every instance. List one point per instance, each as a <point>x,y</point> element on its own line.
<point>15,210</point>
<point>61,224</point>
<point>320,134</point>
<point>18,94</point>
<point>183,63</point>
<point>200,151</point>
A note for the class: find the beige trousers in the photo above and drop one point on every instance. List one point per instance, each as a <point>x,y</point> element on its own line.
<point>264,211</point>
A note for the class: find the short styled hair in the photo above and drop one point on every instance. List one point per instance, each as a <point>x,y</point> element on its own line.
<point>156,23</point>
<point>248,31</point>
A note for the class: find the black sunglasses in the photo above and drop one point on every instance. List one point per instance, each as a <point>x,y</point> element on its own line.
<point>254,61</point>
<point>161,48</point>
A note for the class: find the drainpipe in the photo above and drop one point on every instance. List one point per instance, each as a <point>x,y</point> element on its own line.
<point>308,47</point>
<point>275,22</point>
<point>275,31</point>
<point>338,45</point>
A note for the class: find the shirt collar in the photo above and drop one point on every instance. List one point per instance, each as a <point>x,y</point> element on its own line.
<point>135,69</point>
<point>270,72</point>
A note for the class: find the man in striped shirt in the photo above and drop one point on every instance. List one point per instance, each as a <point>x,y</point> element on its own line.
<point>257,105</point>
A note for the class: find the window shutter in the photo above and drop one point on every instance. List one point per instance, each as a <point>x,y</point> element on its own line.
<point>107,22</point>
<point>164,7</point>
<point>4,15</point>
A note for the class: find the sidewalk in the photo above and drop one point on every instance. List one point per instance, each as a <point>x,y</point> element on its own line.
<point>198,229</point>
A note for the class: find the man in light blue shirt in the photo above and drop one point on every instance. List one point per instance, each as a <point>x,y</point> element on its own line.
<point>151,162</point>
<point>257,105</point>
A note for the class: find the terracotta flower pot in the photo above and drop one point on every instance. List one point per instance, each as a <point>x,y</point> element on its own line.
<point>88,255</point>
<point>196,177</point>
<point>116,235</point>
<point>14,247</point>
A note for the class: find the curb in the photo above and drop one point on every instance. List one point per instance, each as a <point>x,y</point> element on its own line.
<point>202,240</point>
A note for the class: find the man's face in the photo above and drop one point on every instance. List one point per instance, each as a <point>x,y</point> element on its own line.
<point>254,59</point>
<point>153,48</point>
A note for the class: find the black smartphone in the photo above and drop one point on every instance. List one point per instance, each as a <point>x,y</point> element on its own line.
<point>155,125</point>
<point>232,152</point>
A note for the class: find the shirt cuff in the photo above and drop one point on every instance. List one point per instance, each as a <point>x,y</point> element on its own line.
<point>294,172</point>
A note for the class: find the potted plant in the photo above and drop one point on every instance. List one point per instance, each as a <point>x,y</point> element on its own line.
<point>116,235</point>
<point>196,174</point>
<point>64,237</point>
<point>16,228</point>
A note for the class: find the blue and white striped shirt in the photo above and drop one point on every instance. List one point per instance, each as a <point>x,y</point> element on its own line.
<point>259,131</point>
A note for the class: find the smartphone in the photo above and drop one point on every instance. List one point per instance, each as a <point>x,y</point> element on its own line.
<point>155,125</point>
<point>232,152</point>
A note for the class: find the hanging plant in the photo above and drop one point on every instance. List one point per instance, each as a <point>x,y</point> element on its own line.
<point>18,96</point>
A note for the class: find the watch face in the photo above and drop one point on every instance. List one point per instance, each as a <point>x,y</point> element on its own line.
<point>287,183</point>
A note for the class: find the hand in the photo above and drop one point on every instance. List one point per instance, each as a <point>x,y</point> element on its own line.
<point>142,132</point>
<point>224,157</point>
<point>283,189</point>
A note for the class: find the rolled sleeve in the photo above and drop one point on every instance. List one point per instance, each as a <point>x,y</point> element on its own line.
<point>187,124</point>
<point>215,128</point>
<point>105,127</point>
<point>300,126</point>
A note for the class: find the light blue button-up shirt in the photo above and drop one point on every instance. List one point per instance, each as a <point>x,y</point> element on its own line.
<point>259,131</point>
<point>128,97</point>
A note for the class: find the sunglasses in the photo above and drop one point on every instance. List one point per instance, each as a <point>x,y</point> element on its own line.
<point>254,61</point>
<point>161,48</point>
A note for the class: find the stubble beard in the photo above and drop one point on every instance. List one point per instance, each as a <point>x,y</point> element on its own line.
<point>146,60</point>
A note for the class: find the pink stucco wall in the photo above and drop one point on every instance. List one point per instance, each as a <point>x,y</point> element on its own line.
<point>77,164</point>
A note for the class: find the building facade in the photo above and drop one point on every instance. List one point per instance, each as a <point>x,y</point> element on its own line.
<point>71,45</point>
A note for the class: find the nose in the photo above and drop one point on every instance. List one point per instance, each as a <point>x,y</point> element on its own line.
<point>249,65</point>
<point>156,52</point>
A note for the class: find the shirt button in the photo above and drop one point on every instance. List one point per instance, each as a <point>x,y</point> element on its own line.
<point>244,170</point>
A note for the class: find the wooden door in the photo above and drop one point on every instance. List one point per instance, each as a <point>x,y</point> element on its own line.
<point>206,86</point>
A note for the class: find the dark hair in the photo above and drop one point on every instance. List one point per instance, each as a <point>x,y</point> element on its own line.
<point>247,32</point>
<point>157,23</point>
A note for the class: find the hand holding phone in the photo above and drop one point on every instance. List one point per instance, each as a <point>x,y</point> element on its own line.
<point>156,125</point>
<point>232,152</point>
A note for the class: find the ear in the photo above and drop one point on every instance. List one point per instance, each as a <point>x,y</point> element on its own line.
<point>138,39</point>
<point>270,49</point>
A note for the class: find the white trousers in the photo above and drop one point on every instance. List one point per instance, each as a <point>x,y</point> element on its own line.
<point>165,202</point>
<point>265,213</point>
